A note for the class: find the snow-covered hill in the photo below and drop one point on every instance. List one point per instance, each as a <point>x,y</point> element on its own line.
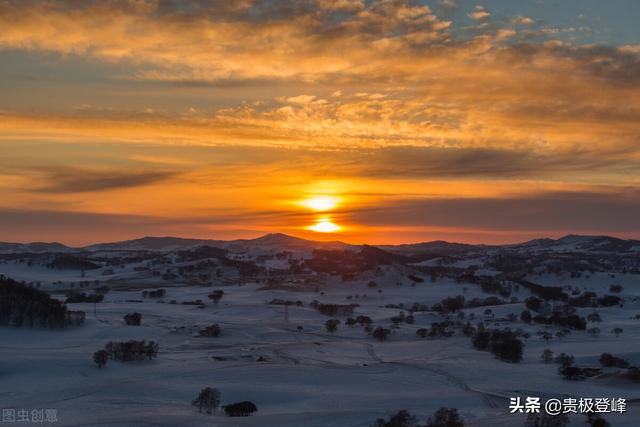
<point>578,295</point>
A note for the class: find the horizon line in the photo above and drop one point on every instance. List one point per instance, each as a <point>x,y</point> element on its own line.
<point>211,239</point>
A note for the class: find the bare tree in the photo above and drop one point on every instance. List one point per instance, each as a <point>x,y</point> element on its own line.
<point>208,399</point>
<point>100,357</point>
<point>445,417</point>
<point>381,333</point>
<point>332,325</point>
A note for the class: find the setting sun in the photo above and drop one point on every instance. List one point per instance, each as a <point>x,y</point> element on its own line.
<point>321,203</point>
<point>325,226</point>
<point>319,197</point>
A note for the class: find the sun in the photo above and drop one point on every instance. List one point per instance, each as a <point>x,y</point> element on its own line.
<point>325,226</point>
<point>321,203</point>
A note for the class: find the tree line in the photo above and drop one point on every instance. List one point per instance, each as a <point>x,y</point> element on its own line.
<point>24,306</point>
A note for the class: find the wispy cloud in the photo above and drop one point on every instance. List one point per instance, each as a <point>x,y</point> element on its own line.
<point>242,103</point>
<point>78,180</point>
<point>479,14</point>
<point>564,212</point>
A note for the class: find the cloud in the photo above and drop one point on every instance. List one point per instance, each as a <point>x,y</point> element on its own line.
<point>479,14</point>
<point>79,180</point>
<point>248,43</point>
<point>564,212</point>
<point>452,4</point>
<point>83,228</point>
<point>200,42</point>
<point>364,93</point>
<point>459,163</point>
<point>523,20</point>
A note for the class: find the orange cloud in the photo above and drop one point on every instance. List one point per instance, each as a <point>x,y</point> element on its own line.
<point>381,99</point>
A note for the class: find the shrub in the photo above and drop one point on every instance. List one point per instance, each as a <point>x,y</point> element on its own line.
<point>127,351</point>
<point>194,302</point>
<point>565,360</point>
<point>100,357</point>
<point>158,293</point>
<point>586,299</point>
<point>331,325</point>
<point>240,409</point>
<point>547,355</point>
<point>609,300</point>
<point>216,295</point>
<point>507,348</point>
<point>479,302</point>
<point>611,361</point>
<point>504,344</point>
<point>381,333</point>
<point>208,399</point>
<point>334,309</point>
<point>572,321</point>
<point>576,373</point>
<point>594,317</point>
<point>533,304</point>
<point>593,331</point>
<point>546,420</point>
<point>280,301</point>
<point>133,319</point>
<point>440,329</point>
<point>401,419</point>
<point>571,373</point>
<point>481,340</point>
<point>450,304</point>
<point>445,417</point>
<point>468,330</point>
<point>211,331</point>
<point>364,320</point>
<point>576,322</point>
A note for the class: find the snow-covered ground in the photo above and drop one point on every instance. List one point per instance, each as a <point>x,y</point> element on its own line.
<point>307,378</point>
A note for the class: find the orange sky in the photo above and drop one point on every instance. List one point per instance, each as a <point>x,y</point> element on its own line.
<point>381,122</point>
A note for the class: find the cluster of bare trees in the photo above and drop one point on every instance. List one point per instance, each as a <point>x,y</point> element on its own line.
<point>158,293</point>
<point>208,400</point>
<point>503,343</point>
<point>333,309</point>
<point>21,305</point>
<point>126,351</point>
<point>443,417</point>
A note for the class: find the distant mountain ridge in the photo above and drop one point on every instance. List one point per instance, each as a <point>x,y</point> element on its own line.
<point>166,243</point>
<point>580,242</point>
<point>280,241</point>
<point>35,247</point>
